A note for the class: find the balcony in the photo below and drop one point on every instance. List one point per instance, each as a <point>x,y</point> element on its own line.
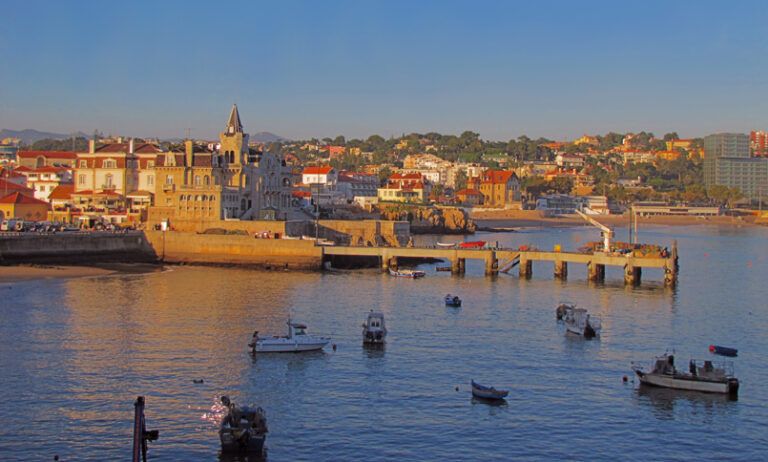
<point>169,187</point>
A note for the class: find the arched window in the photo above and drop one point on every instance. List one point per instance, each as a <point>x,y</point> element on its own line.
<point>207,180</point>
<point>198,182</point>
<point>169,179</point>
<point>108,181</point>
<point>40,161</point>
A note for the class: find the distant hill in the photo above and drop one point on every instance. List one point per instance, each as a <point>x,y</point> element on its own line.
<point>267,137</point>
<point>29,135</point>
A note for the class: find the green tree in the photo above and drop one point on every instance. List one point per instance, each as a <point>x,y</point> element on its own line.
<point>461,179</point>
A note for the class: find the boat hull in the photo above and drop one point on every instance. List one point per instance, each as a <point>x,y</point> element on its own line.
<point>729,386</point>
<point>254,444</point>
<point>289,347</point>
<point>374,337</point>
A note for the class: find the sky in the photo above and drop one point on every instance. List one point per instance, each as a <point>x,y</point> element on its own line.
<point>302,69</point>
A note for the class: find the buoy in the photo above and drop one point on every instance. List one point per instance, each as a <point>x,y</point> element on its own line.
<point>334,347</point>
<point>197,381</point>
<point>624,379</point>
<point>457,388</point>
<point>711,348</point>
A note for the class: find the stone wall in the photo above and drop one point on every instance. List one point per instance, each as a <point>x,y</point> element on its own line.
<point>179,247</point>
<point>365,232</point>
<point>75,248</point>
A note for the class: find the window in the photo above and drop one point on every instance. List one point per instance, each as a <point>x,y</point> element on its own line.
<point>83,164</point>
<point>207,180</point>
<point>151,180</point>
<point>108,180</point>
<point>150,164</point>
<point>197,180</point>
<point>169,179</point>
<point>109,163</point>
<point>81,178</point>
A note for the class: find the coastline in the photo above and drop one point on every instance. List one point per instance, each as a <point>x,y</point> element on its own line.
<point>532,218</point>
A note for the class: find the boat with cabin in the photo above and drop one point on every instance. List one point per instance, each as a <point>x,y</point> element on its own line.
<point>578,321</point>
<point>412,274</point>
<point>374,329</point>
<point>243,429</point>
<point>562,309</point>
<point>296,341</point>
<point>484,392</point>
<point>452,300</point>
<point>706,378</point>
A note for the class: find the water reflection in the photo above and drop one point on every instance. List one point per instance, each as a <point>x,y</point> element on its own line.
<point>666,403</point>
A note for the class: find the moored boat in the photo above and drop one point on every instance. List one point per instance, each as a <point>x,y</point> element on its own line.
<point>563,309</point>
<point>296,341</point>
<point>243,429</point>
<point>452,300</point>
<point>578,321</point>
<point>472,245</point>
<point>706,378</point>
<point>374,329</point>
<point>723,351</point>
<point>446,244</point>
<point>484,392</point>
<point>413,274</point>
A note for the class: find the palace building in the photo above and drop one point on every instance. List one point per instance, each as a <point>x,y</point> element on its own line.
<point>230,182</point>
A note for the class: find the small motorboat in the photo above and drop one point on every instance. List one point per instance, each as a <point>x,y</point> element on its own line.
<point>723,351</point>
<point>706,378</point>
<point>472,245</point>
<point>446,244</point>
<point>413,274</point>
<point>243,429</point>
<point>483,392</point>
<point>452,300</point>
<point>563,309</point>
<point>578,321</point>
<point>374,329</point>
<point>297,340</point>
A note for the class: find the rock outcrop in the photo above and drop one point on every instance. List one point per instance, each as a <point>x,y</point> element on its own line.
<point>430,219</point>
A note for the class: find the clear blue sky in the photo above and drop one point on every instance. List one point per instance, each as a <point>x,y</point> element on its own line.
<point>323,68</point>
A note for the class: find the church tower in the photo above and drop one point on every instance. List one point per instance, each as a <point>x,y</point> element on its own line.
<point>234,143</point>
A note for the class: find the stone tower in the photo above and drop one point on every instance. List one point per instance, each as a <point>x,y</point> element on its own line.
<point>234,143</point>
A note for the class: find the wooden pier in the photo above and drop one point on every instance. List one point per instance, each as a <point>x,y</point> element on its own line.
<point>503,260</point>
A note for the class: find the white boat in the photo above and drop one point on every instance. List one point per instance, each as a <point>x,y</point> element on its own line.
<point>243,429</point>
<point>297,340</point>
<point>578,321</point>
<point>374,329</point>
<point>446,244</point>
<point>413,274</point>
<point>706,378</point>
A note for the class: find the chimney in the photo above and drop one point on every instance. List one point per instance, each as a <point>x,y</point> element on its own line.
<point>91,146</point>
<point>189,152</point>
<point>130,146</point>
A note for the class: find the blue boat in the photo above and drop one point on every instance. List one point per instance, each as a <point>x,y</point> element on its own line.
<point>723,351</point>
<point>452,300</point>
<point>483,392</point>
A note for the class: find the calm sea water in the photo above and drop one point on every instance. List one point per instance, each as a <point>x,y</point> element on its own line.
<point>74,354</point>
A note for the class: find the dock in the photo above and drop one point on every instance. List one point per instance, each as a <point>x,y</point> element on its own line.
<point>503,260</point>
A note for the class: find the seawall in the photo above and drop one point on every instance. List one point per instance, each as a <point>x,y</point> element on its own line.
<point>178,247</point>
<point>75,248</point>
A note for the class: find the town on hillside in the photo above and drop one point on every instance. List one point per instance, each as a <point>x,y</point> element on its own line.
<point>114,181</point>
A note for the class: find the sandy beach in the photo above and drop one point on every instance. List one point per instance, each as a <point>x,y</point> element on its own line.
<point>532,218</point>
<point>17,273</point>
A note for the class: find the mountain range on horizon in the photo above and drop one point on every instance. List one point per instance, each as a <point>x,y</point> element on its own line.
<point>30,135</point>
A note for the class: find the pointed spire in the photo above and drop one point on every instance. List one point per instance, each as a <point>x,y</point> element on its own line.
<point>234,125</point>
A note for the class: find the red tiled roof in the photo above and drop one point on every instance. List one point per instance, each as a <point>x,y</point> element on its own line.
<point>301,194</point>
<point>468,192</point>
<point>49,169</point>
<point>19,198</point>
<point>497,176</point>
<point>406,176</point>
<point>22,168</point>
<point>47,154</point>
<point>125,147</point>
<point>62,191</point>
<point>9,186</point>
<point>317,170</point>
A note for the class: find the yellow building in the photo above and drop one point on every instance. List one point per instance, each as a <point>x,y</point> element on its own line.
<point>587,139</point>
<point>500,188</point>
<point>679,144</point>
<point>18,205</point>
<point>233,182</point>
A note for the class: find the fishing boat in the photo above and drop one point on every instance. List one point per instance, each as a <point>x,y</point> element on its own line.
<point>706,378</point>
<point>452,300</point>
<point>483,392</point>
<point>472,245</point>
<point>413,274</point>
<point>578,321</point>
<point>296,341</point>
<point>243,429</point>
<point>374,329</point>
<point>446,244</point>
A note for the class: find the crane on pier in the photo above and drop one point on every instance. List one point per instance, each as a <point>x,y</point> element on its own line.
<point>606,232</point>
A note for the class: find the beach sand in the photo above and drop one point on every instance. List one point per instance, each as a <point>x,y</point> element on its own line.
<point>30,272</point>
